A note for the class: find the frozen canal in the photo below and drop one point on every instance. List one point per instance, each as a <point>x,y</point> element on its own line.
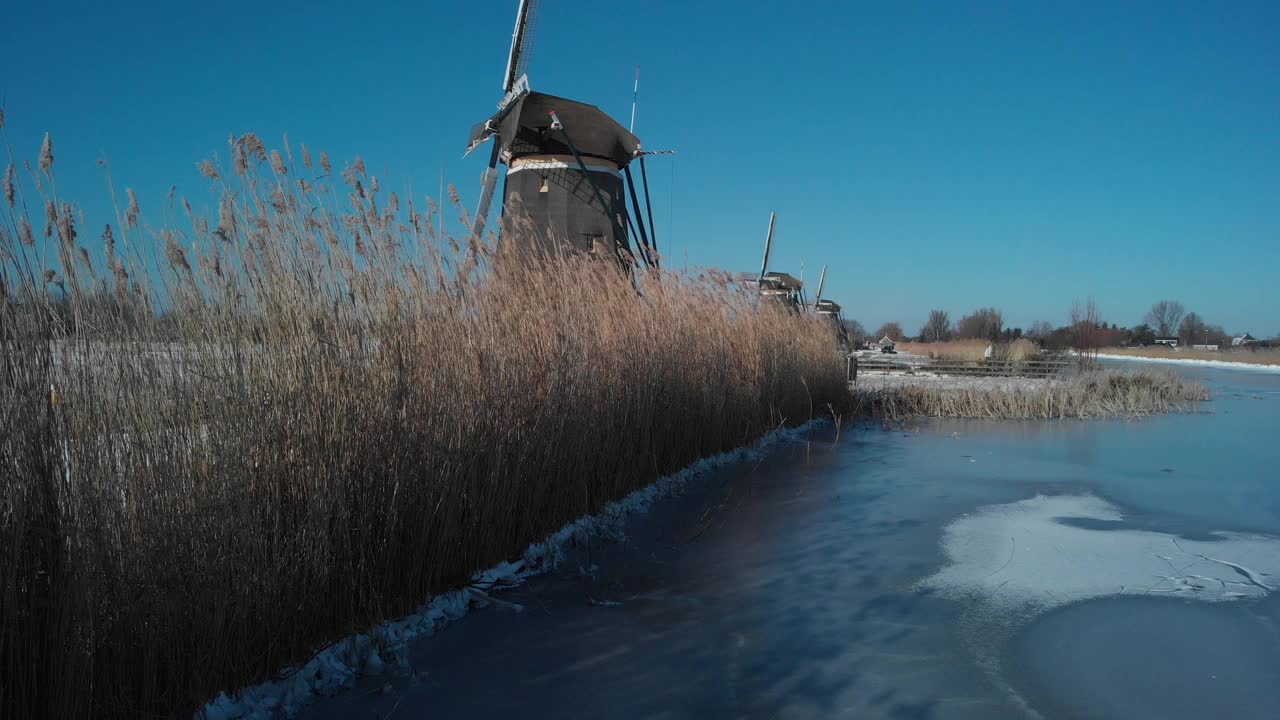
<point>954,569</point>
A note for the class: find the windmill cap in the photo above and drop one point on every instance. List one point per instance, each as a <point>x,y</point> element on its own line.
<point>522,129</point>
<point>784,280</point>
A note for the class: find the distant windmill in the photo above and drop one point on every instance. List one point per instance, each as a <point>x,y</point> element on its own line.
<point>777,286</point>
<point>567,163</point>
<point>831,310</point>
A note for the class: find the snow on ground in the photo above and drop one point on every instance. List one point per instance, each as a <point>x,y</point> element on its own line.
<point>337,667</point>
<point>879,380</point>
<point>1191,361</point>
<point>1046,552</point>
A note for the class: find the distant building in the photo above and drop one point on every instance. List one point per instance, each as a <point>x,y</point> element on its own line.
<point>886,342</point>
<point>1170,341</point>
<point>1245,339</point>
<point>1212,347</point>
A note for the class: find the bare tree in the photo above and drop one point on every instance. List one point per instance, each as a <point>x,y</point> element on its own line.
<point>854,330</point>
<point>1192,330</point>
<point>891,330</point>
<point>983,323</point>
<point>937,328</point>
<point>1040,329</point>
<point>1086,328</point>
<point>1165,316</point>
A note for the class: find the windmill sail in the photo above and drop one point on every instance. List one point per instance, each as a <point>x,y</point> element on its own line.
<point>521,43</point>
<point>768,245</point>
<point>514,84</point>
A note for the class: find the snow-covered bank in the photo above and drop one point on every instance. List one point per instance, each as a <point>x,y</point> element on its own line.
<point>337,666</point>
<point>881,381</point>
<point>1194,362</point>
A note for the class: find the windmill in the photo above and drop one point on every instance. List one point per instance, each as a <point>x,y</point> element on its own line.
<point>776,286</point>
<point>568,168</point>
<point>830,310</point>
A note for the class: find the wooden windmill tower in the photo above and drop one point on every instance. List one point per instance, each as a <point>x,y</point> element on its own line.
<point>568,168</point>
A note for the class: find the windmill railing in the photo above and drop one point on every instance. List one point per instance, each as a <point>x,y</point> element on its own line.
<point>1038,368</point>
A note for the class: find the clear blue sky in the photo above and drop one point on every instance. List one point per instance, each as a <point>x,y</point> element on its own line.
<point>940,154</point>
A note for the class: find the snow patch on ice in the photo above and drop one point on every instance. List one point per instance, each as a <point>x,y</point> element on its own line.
<point>1194,362</point>
<point>1030,555</point>
<point>338,666</point>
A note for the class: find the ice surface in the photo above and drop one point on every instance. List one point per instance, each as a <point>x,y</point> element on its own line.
<point>337,667</point>
<point>1133,657</point>
<point>1009,564</point>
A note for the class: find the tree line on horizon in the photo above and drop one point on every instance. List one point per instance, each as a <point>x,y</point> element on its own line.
<point>1165,319</point>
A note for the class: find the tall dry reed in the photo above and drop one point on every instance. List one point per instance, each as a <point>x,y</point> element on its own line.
<point>1020,349</point>
<point>229,440</point>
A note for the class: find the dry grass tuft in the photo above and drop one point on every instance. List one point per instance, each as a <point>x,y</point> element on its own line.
<point>245,443</point>
<point>1087,394</point>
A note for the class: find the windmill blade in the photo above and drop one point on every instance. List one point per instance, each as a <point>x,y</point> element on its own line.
<point>521,44</point>
<point>488,181</point>
<point>515,84</point>
<point>642,153</point>
<point>482,132</point>
<point>822,280</point>
<point>635,95</point>
<point>479,135</point>
<point>768,243</point>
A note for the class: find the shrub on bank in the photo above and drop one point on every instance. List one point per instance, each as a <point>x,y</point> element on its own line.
<point>1086,394</point>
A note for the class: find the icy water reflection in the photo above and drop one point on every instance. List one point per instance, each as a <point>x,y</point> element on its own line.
<point>950,570</point>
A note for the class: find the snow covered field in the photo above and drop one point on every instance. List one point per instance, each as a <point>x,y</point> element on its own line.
<point>1195,363</point>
